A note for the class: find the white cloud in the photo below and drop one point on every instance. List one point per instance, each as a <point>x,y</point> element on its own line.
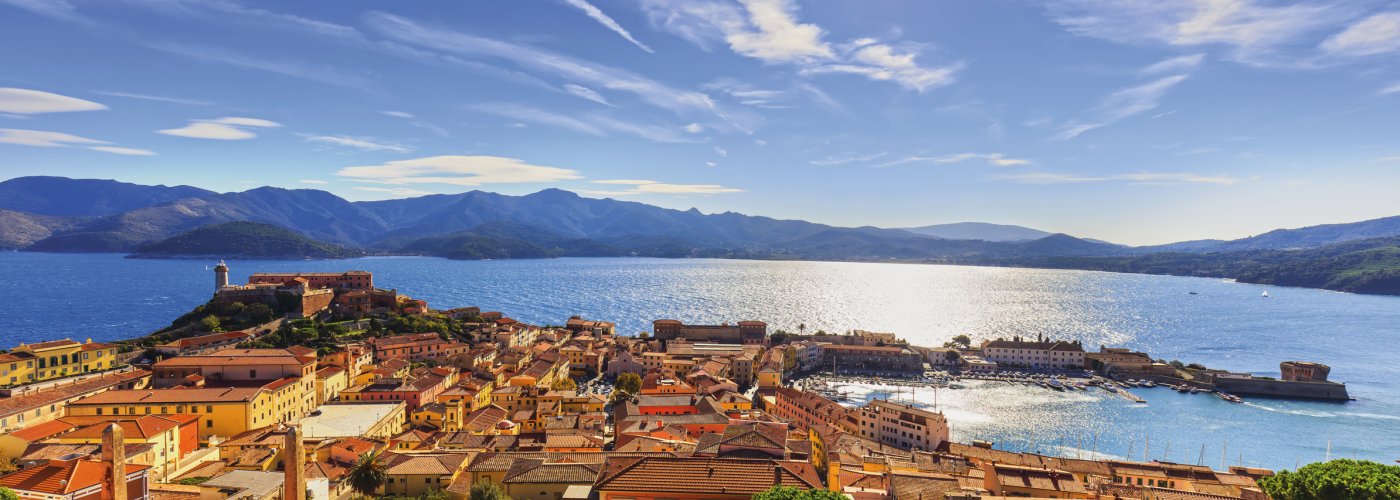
<point>231,128</point>
<point>591,124</point>
<point>694,128</point>
<point>43,139</point>
<point>845,158</point>
<point>1252,32</point>
<point>723,153</point>
<point>1181,64</point>
<point>57,9</point>
<point>313,181</point>
<point>1142,178</point>
<point>1120,105</point>
<point>586,93</point>
<point>711,164</point>
<point>770,31</point>
<point>654,187</point>
<point>47,139</point>
<point>606,21</point>
<point>1373,35</point>
<point>123,151</point>
<point>360,143</point>
<point>157,98</point>
<point>28,102</point>
<point>414,121</point>
<point>397,114</point>
<point>458,171</point>
<point>996,159</point>
<point>1390,89</point>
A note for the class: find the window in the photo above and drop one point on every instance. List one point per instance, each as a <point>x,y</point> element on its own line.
<point>209,423</point>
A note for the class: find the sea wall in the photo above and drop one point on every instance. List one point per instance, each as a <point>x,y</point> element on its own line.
<point>1283,389</point>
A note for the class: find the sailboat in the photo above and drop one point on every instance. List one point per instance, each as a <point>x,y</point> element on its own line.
<point>1266,294</point>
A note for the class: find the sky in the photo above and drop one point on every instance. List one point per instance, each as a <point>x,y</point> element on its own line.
<point>1133,121</point>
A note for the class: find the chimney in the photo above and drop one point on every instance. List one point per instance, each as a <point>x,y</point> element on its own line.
<point>293,466</point>
<point>114,453</point>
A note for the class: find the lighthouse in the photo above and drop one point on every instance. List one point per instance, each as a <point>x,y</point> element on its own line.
<point>220,275</point>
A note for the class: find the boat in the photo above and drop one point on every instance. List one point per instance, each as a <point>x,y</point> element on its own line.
<point>1149,383</point>
<point>1055,384</point>
<point>1265,294</point>
<point>1192,293</point>
<point>1195,390</point>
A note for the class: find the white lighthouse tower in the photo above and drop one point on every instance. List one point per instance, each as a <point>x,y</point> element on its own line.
<point>220,275</point>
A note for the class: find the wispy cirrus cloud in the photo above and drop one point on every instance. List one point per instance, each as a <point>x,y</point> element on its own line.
<point>586,93</point>
<point>594,75</point>
<point>416,122</point>
<point>597,15</point>
<point>1154,178</point>
<point>314,181</point>
<point>1120,105</point>
<point>230,128</point>
<point>29,102</point>
<point>1252,32</point>
<point>594,124</point>
<point>639,186</point>
<point>1175,65</point>
<point>770,31</point>
<point>49,139</point>
<point>360,143</point>
<point>293,68</point>
<point>156,98</point>
<point>1374,35</point>
<point>845,158</point>
<point>457,170</point>
<point>1389,89</point>
<point>995,159</point>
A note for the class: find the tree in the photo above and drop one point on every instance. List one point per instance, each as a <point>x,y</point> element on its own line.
<point>258,313</point>
<point>367,475</point>
<point>8,494</point>
<point>564,384</point>
<point>210,323</point>
<point>790,493</point>
<point>486,490</point>
<point>1344,478</point>
<point>629,383</point>
<point>951,356</point>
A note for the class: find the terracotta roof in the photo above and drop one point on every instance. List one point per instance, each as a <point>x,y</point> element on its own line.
<point>54,451</point>
<point>38,432</point>
<point>572,441</point>
<point>906,485</point>
<point>704,475</point>
<point>202,340</point>
<point>51,344</point>
<point>60,477</point>
<point>240,357</point>
<point>425,464</point>
<point>537,471</point>
<point>144,426</point>
<point>173,396</point>
<point>54,394</point>
<point>93,346</point>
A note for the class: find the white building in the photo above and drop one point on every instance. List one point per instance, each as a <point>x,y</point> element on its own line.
<point>1039,355</point>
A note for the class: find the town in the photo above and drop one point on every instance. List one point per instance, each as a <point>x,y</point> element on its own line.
<point>323,386</point>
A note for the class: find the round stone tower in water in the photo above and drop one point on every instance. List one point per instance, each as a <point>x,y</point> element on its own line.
<point>220,275</point>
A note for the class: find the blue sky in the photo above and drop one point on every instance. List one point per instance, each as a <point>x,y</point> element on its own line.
<point>1135,121</point>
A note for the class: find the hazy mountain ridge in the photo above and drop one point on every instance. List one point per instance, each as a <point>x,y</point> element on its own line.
<point>979,231</point>
<point>553,222</point>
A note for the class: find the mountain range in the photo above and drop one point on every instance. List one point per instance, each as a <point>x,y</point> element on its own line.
<point>56,214</point>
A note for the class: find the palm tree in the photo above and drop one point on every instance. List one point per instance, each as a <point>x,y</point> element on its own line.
<point>367,475</point>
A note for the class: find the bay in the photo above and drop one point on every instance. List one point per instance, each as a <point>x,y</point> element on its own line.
<point>1224,325</point>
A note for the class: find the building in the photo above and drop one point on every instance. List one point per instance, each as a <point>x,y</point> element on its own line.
<point>743,332</point>
<point>55,359</point>
<point>34,407</point>
<point>413,474</point>
<point>1303,371</point>
<point>220,275</point>
<point>204,343</point>
<point>900,426</point>
<point>222,411</point>
<point>691,478</point>
<point>862,358</point>
<point>347,420</point>
<point>348,280</point>
<point>1121,362</point>
<point>1038,355</point>
<point>169,438</point>
<point>806,409</point>
<point>108,478</point>
<point>416,347</point>
<point>577,324</point>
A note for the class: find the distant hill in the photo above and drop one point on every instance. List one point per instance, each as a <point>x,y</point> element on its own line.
<point>86,197</point>
<point>1284,239</point>
<point>243,240</point>
<point>979,231</point>
<point>20,230</point>
<point>1361,266</point>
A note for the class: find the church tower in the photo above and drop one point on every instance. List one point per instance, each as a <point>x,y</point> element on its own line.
<point>220,275</point>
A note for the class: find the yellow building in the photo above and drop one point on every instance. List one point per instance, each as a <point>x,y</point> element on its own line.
<point>413,474</point>
<point>55,359</point>
<point>222,411</point>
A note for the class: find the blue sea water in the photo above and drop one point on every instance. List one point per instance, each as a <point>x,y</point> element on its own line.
<point>1225,325</point>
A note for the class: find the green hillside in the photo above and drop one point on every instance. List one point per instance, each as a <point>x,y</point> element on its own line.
<point>243,240</point>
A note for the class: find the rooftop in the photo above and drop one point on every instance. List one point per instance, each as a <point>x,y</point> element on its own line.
<point>347,420</point>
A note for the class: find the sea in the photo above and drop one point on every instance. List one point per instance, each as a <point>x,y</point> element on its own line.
<point>1222,324</point>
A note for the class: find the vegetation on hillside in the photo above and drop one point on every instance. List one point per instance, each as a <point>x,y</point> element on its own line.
<point>790,493</point>
<point>243,240</point>
<point>1337,479</point>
